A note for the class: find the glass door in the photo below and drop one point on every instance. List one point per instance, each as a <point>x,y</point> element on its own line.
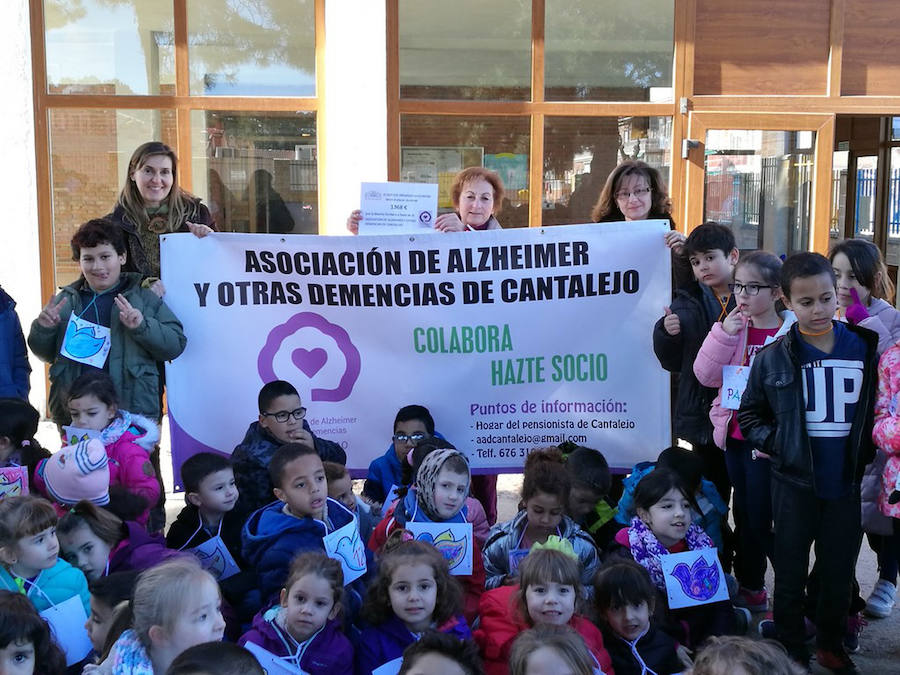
<point>866,194</point>
<point>892,252</point>
<point>866,179</point>
<point>762,177</point>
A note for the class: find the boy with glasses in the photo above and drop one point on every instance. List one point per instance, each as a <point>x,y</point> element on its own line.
<point>282,420</point>
<point>412,425</point>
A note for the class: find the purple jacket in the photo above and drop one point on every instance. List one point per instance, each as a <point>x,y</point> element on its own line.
<point>139,550</point>
<point>380,644</point>
<point>328,651</point>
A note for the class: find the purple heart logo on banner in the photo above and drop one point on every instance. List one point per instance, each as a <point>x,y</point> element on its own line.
<point>310,362</point>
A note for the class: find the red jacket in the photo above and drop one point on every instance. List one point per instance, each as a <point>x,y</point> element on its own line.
<point>473,584</point>
<point>501,623</point>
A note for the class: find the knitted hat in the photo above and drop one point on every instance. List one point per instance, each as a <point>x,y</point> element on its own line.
<point>77,472</point>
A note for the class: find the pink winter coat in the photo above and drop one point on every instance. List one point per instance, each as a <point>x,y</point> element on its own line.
<point>721,349</point>
<point>886,432</point>
<point>129,440</point>
<point>128,448</point>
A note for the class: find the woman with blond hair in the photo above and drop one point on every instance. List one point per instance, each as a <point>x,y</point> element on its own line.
<point>152,203</point>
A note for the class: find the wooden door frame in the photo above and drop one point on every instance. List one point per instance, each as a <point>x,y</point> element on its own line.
<point>822,124</point>
<point>182,103</point>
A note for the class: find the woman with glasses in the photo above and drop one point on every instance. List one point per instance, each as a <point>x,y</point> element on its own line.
<point>634,190</point>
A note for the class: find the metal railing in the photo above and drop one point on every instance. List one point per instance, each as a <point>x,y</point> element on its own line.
<point>866,188</point>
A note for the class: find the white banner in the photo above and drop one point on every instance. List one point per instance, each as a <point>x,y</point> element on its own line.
<point>513,339</point>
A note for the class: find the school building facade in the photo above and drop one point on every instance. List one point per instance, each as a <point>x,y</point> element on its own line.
<point>780,119</point>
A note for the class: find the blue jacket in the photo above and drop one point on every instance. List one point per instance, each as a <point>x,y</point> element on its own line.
<point>712,507</point>
<point>251,465</point>
<point>14,367</point>
<point>52,586</point>
<point>271,539</point>
<point>386,642</point>
<point>384,473</point>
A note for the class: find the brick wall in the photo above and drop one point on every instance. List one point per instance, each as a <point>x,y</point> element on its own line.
<point>84,165</point>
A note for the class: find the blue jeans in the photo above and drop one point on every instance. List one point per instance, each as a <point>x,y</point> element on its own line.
<point>751,481</point>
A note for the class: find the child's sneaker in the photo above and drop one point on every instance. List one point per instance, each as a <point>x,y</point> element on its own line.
<point>837,662</point>
<point>733,588</point>
<point>881,602</point>
<point>855,625</point>
<point>741,620</point>
<point>755,601</point>
<point>768,631</point>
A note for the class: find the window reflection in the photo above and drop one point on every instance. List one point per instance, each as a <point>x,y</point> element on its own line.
<point>102,47</point>
<point>866,194</point>
<point>759,183</point>
<point>263,48</point>
<point>257,172</point>
<point>89,153</point>
<point>465,49</point>
<point>838,195</point>
<point>893,239</point>
<point>580,152</point>
<point>434,148</point>
<point>598,50</point>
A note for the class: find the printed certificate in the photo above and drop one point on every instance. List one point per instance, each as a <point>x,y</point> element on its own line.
<point>398,208</point>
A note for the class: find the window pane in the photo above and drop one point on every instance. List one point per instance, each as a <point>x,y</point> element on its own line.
<point>89,153</point>
<point>838,195</point>
<point>579,153</point>
<point>434,148</point>
<point>252,49</point>
<point>466,49</point>
<point>102,47</point>
<point>893,241</point>
<point>759,183</point>
<point>602,50</point>
<point>257,172</point>
<point>866,188</point>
